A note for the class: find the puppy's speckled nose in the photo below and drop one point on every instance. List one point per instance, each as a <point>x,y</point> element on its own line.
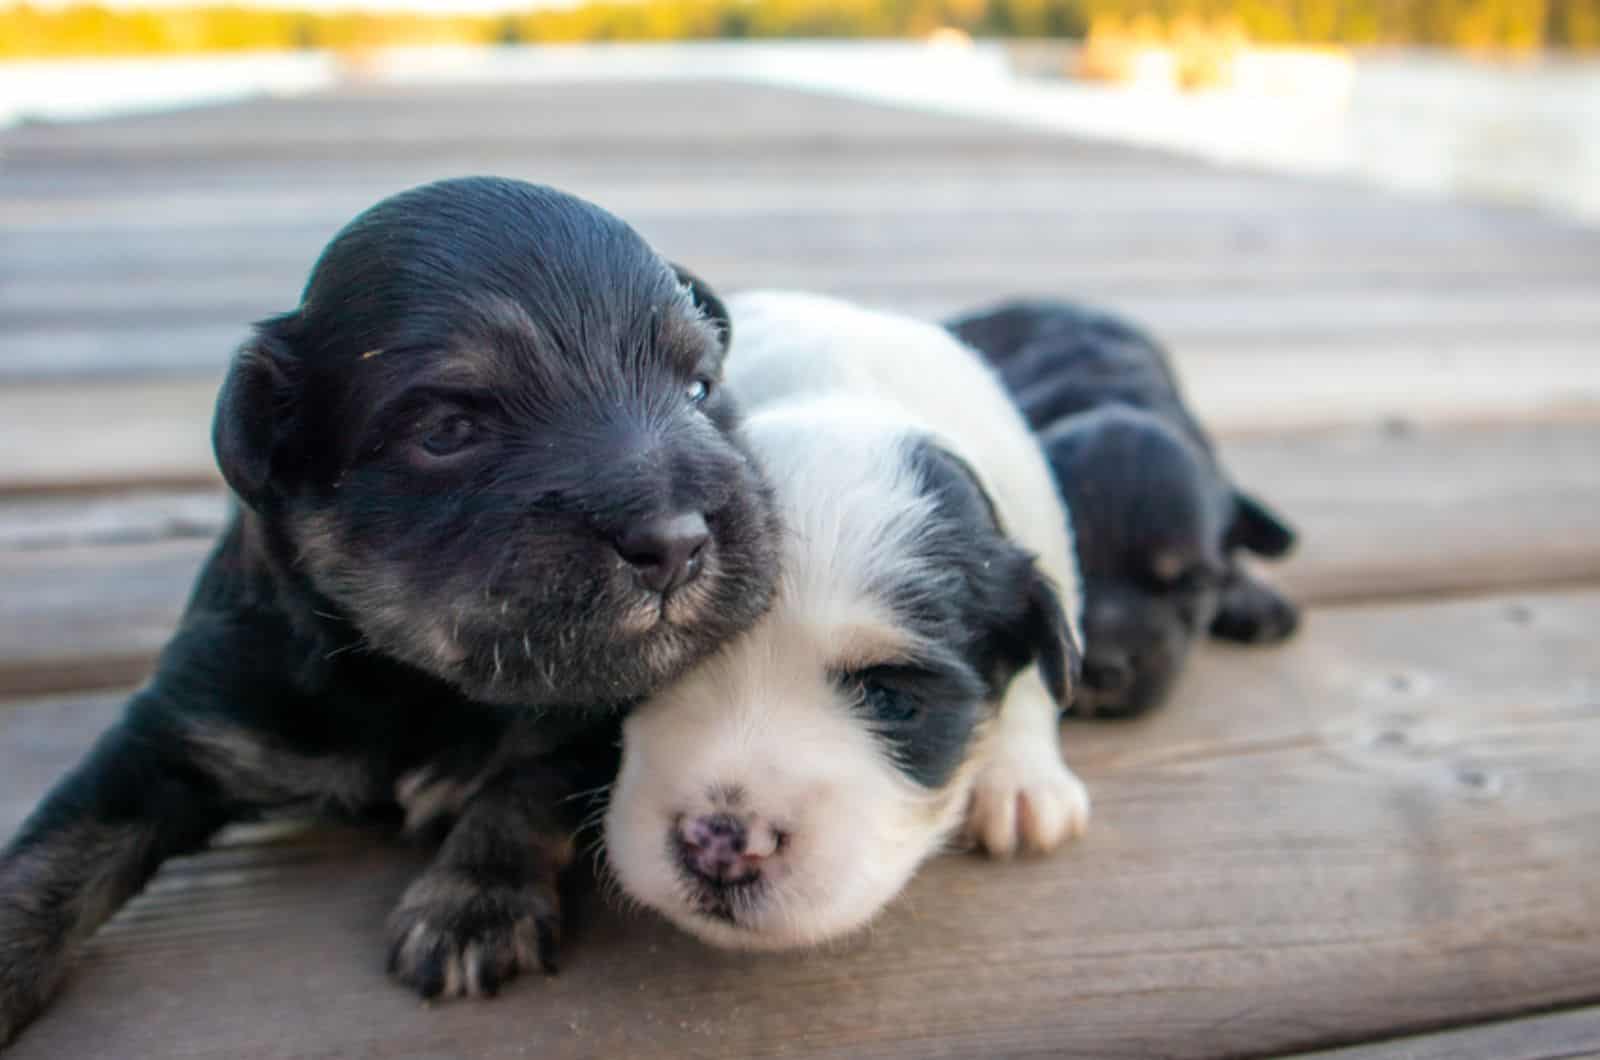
<point>665,550</point>
<point>722,848</point>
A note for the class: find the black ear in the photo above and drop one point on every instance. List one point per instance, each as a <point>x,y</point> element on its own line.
<point>706,300</point>
<point>1047,631</point>
<point>1258,528</point>
<point>245,429</point>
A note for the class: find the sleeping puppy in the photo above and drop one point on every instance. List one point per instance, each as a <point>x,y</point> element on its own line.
<point>490,494</point>
<point>1156,520</point>
<point>911,671</point>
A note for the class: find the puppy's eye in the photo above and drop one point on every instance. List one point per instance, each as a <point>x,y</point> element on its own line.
<point>889,705</point>
<point>450,435</point>
<point>698,391</point>
<point>1195,579</point>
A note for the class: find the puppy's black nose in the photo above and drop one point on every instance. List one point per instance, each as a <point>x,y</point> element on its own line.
<point>722,849</point>
<point>1107,673</point>
<point>666,550</point>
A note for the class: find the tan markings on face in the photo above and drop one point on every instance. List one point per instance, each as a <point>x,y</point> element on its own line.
<point>1167,565</point>
<point>640,617</point>
<point>857,647</point>
<point>316,537</point>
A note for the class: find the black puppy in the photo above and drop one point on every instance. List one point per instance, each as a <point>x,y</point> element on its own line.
<point>491,494</point>
<point>1156,520</point>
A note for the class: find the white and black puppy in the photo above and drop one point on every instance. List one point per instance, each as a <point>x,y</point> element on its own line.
<point>911,670</point>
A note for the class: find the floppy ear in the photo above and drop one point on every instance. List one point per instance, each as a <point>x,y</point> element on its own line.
<point>245,428</point>
<point>1047,631</point>
<point>706,300</point>
<point>1258,528</point>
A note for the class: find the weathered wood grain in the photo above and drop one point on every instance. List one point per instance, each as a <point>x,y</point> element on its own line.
<point>1368,832</point>
<point>1570,1035</point>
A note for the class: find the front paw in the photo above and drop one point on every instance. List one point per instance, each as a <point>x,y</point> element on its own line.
<point>1026,799</point>
<point>453,935</point>
<point>1251,612</point>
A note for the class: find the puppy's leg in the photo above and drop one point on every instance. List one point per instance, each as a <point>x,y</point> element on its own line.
<point>1252,612</point>
<point>1025,797</point>
<point>90,846</point>
<point>488,907</point>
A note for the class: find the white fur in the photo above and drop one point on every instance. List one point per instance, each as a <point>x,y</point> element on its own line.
<point>835,395</point>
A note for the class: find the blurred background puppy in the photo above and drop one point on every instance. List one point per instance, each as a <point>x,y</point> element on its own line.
<point>1157,522</point>
<point>910,674</point>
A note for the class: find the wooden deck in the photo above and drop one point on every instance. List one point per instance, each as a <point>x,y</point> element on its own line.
<point>1382,839</point>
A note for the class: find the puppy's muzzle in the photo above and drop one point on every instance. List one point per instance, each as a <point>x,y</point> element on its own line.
<point>723,850</point>
<point>665,551</point>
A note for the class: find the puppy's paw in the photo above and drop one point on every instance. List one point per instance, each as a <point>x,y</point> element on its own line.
<point>1252,612</point>
<point>1026,800</point>
<point>453,936</point>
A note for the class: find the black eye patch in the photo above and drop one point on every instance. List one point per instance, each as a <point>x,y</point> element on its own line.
<point>923,711</point>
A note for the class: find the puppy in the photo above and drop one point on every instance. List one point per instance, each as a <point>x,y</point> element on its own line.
<point>912,668</point>
<point>490,494</point>
<point>1156,520</point>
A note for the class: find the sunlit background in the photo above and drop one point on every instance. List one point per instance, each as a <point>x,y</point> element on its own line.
<point>1482,99</point>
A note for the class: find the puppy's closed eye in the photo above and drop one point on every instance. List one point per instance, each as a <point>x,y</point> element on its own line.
<point>1172,573</point>
<point>885,700</point>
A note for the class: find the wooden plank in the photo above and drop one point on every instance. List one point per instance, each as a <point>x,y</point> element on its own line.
<point>124,236</point>
<point>1402,512</point>
<point>94,434</point>
<point>49,522</point>
<point>89,617</point>
<point>1387,826</point>
<point>186,329</point>
<point>1383,514</point>
<point>1557,1036</point>
<point>1247,250</point>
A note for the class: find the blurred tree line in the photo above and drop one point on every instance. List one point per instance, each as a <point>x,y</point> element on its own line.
<point>88,29</point>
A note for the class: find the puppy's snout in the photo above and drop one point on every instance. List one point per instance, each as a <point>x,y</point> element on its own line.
<point>665,550</point>
<point>725,848</point>
<point>1105,673</point>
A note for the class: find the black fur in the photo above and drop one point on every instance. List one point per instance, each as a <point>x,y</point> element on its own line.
<point>1157,521</point>
<point>484,382</point>
<point>986,613</point>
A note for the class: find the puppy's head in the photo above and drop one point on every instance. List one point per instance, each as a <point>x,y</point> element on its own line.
<point>1150,517</point>
<point>494,440</point>
<point>784,790</point>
